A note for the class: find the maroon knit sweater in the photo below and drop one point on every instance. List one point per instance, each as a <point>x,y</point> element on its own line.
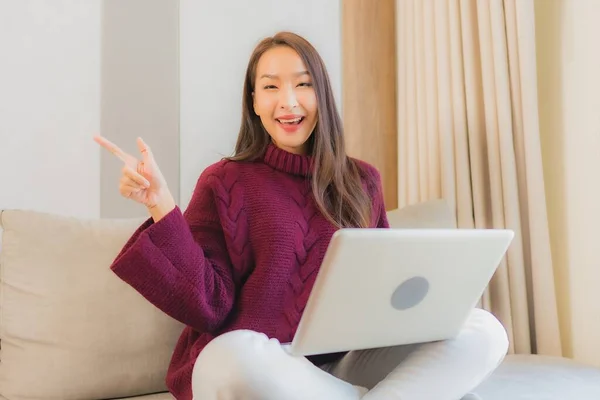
<point>244,255</point>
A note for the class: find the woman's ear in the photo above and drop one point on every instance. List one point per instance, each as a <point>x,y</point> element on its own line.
<point>254,105</point>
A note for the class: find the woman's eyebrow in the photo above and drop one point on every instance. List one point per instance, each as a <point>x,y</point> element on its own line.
<point>271,76</point>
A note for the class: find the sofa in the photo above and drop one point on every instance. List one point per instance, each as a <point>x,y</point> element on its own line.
<point>71,330</point>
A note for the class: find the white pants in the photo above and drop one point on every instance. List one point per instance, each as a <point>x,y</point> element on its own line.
<point>245,365</point>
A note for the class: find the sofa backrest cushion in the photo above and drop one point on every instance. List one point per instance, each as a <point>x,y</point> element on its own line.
<point>70,328</point>
<point>432,214</point>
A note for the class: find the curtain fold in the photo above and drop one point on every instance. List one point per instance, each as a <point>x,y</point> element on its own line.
<point>468,132</point>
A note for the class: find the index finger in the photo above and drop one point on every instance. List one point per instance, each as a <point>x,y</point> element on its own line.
<point>110,146</point>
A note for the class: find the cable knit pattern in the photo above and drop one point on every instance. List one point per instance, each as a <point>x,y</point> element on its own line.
<point>244,255</point>
<point>304,273</point>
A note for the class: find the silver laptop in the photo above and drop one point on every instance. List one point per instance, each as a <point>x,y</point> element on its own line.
<point>388,287</point>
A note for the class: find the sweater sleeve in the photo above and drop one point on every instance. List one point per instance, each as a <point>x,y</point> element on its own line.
<point>181,263</point>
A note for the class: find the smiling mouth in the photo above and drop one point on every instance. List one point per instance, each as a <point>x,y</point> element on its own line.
<point>295,121</point>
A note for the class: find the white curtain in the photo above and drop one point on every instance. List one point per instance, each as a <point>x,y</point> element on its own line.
<point>468,132</point>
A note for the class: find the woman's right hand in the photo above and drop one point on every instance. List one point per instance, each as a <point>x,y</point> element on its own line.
<point>141,180</point>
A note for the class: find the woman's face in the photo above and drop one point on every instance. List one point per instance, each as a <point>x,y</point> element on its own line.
<point>285,99</point>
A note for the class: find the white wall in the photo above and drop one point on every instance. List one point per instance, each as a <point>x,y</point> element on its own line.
<point>49,105</point>
<point>52,98</point>
<point>140,92</point>
<point>216,40</point>
<point>569,86</point>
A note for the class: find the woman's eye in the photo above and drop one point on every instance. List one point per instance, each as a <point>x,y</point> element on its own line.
<point>270,87</point>
<point>307,84</point>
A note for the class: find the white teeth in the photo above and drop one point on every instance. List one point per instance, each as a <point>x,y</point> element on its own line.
<point>289,121</point>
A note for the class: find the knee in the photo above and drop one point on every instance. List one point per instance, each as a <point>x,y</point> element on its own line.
<point>236,350</point>
<point>236,343</point>
<point>231,359</point>
<point>488,334</point>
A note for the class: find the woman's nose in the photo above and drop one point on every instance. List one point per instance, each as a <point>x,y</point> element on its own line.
<point>288,98</point>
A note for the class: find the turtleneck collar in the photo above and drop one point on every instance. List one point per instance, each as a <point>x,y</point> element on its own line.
<point>281,160</point>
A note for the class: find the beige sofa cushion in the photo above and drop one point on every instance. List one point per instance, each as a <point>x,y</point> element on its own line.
<point>533,377</point>
<point>158,396</point>
<point>70,328</point>
<point>433,214</point>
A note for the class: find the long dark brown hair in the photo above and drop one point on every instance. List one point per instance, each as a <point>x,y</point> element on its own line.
<point>336,178</point>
